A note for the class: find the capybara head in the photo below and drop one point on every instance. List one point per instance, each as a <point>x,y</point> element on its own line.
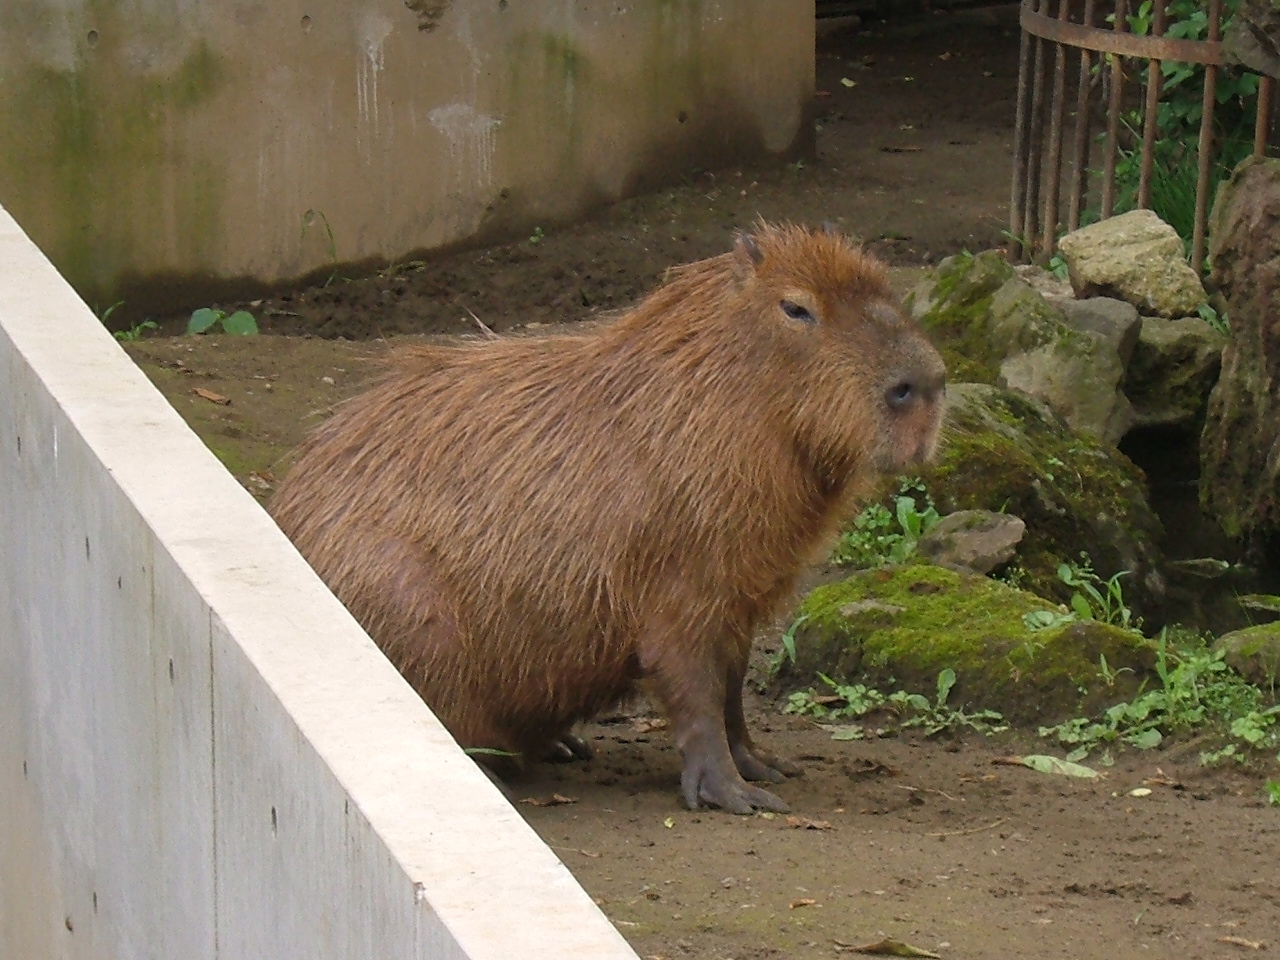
<point>531,526</point>
<point>863,382</point>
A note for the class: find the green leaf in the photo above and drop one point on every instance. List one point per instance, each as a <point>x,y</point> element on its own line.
<point>1146,740</point>
<point>241,323</point>
<point>946,680</point>
<point>203,319</point>
<point>1081,606</point>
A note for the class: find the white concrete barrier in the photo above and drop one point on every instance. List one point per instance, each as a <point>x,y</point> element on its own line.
<point>201,754</point>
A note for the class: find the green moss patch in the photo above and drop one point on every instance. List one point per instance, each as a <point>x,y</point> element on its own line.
<point>906,624</point>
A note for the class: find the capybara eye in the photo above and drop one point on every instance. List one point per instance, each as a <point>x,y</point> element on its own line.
<point>797,312</point>
<point>899,395</point>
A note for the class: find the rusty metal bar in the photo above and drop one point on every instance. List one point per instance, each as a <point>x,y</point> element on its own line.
<point>1154,80</point>
<point>1031,215</point>
<point>1262,124</point>
<point>1119,41</point>
<point>1080,175</point>
<point>1022,134</point>
<point>1204,156</point>
<point>1113,116</point>
<point>1057,118</point>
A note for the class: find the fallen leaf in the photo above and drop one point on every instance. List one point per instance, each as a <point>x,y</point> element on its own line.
<point>1042,763</point>
<point>1140,792</point>
<point>647,724</point>
<point>803,902</point>
<point>1242,942</point>
<point>211,396</point>
<point>846,82</point>
<point>669,822</point>
<point>804,823</point>
<point>1181,899</point>
<point>889,947</point>
<point>555,800</point>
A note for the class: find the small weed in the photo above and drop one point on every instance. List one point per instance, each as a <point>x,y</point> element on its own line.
<point>788,649</point>
<point>137,331</point>
<point>880,537</point>
<point>1273,792</point>
<point>240,323</point>
<point>1095,598</point>
<point>1197,689</point>
<point>1058,267</point>
<point>105,315</point>
<point>853,701</point>
<point>1216,320</point>
<point>537,236</point>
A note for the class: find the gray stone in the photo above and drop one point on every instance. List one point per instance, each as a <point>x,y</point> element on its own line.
<point>1042,281</point>
<point>1240,445</point>
<point>1173,369</point>
<point>994,327</point>
<point>1135,257</point>
<point>1252,38</point>
<point>1254,653</point>
<point>972,541</point>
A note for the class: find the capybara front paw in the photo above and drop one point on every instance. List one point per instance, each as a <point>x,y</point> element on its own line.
<point>732,794</point>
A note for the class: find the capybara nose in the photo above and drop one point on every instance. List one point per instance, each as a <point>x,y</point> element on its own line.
<point>909,389</point>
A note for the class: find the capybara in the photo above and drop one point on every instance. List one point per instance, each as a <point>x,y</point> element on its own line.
<point>529,527</point>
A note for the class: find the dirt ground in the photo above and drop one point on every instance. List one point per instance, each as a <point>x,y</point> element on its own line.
<point>924,841</point>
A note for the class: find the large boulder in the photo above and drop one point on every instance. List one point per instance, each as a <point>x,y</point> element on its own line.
<point>909,623</point>
<point>1252,39</point>
<point>1240,445</point>
<point>1254,653</point>
<point>1135,257</point>
<point>1007,452</point>
<point>993,326</point>
<point>1173,369</point>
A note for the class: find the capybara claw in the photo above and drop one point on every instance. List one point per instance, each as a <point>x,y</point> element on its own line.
<point>740,797</point>
<point>761,766</point>
<point>568,749</point>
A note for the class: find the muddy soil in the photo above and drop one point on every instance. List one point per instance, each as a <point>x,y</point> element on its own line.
<point>925,841</point>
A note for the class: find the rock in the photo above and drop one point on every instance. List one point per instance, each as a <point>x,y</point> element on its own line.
<point>1173,369</point>
<point>1006,452</point>
<point>972,541</point>
<point>971,624</point>
<point>1080,376</point>
<point>1254,653</point>
<point>1136,257</point>
<point>1240,444</point>
<point>1043,282</point>
<point>1252,38</point>
<point>994,327</point>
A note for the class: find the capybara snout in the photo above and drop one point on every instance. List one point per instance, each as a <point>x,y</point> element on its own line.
<point>531,526</point>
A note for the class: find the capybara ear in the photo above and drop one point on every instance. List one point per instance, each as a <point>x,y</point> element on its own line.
<point>747,252</point>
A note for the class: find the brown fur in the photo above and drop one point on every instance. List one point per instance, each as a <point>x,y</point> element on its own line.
<point>528,527</point>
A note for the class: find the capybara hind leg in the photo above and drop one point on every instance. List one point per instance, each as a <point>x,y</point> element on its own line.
<point>752,762</point>
<point>692,689</point>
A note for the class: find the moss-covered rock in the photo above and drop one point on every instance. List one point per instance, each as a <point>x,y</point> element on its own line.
<point>1004,451</point>
<point>909,623</point>
<point>993,326</point>
<point>1254,653</point>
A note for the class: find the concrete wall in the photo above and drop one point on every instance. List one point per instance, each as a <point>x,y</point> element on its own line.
<point>201,754</point>
<point>158,142</point>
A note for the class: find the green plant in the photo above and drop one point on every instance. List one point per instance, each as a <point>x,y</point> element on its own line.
<point>853,701</point>
<point>1273,792</point>
<point>1197,689</point>
<point>1095,598</point>
<point>788,649</point>
<point>136,331</point>
<point>1211,316</point>
<point>240,323</point>
<point>537,236</point>
<point>879,536</point>
<point>1058,267</point>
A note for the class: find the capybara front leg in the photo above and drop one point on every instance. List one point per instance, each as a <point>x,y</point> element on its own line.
<point>752,762</point>
<point>692,689</point>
